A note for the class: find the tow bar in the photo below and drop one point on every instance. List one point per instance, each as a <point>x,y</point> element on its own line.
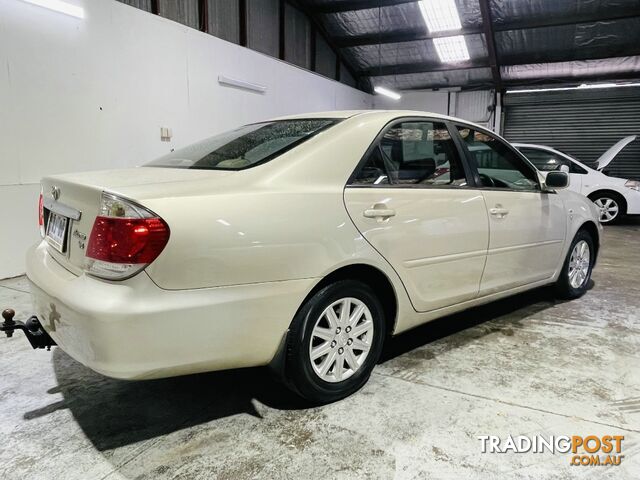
<point>36,335</point>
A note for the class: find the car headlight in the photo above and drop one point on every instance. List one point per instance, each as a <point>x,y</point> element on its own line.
<point>633,185</point>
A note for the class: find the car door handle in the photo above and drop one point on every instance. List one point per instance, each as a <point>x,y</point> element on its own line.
<point>498,211</point>
<point>380,211</point>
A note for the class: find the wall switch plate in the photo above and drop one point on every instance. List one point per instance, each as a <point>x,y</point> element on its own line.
<point>165,134</point>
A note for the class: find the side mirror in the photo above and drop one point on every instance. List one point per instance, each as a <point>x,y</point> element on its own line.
<point>557,180</point>
<point>564,168</point>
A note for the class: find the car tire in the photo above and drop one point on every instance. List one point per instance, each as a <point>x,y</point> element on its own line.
<point>576,271</point>
<point>331,355</point>
<point>612,206</point>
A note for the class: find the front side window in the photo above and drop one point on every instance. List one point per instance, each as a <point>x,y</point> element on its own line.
<point>498,165</point>
<point>245,146</point>
<point>413,153</point>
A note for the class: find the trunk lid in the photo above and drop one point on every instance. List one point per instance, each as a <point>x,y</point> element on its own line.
<point>77,196</point>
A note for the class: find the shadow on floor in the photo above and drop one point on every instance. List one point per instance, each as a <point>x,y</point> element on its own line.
<point>114,413</point>
<point>503,314</point>
<point>631,220</point>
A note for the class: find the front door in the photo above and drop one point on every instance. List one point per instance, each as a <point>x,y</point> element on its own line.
<point>411,201</point>
<point>527,226</point>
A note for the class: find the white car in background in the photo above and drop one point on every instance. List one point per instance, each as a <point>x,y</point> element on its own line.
<point>300,243</point>
<point>614,197</point>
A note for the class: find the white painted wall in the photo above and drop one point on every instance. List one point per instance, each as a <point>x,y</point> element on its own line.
<point>92,93</point>
<point>421,100</point>
<point>473,106</point>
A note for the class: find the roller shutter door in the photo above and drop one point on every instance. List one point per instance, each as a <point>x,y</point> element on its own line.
<point>582,123</point>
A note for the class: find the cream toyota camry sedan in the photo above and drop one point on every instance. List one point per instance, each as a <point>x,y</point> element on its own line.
<point>301,243</point>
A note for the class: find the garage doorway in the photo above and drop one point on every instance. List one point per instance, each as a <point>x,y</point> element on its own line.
<point>583,123</point>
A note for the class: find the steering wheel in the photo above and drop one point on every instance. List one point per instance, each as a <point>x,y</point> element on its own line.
<point>486,180</point>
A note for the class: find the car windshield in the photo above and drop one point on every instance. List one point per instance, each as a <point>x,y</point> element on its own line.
<point>246,146</point>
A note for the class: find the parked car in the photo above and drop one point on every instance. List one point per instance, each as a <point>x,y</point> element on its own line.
<point>614,197</point>
<point>301,243</point>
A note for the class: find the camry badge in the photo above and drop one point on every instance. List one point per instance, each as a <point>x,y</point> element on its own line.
<point>82,238</point>
<point>55,192</point>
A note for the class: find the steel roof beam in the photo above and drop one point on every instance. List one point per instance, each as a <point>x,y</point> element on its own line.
<point>353,5</point>
<point>487,26</point>
<point>422,67</point>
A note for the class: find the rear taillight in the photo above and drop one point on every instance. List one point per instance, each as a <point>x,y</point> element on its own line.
<point>41,214</point>
<point>125,239</point>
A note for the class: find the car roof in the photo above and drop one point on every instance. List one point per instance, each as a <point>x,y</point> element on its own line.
<point>384,114</point>
<point>327,114</point>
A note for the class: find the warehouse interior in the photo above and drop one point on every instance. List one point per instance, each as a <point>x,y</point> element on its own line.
<point>104,84</point>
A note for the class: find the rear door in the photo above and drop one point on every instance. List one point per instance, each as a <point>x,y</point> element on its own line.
<point>527,226</point>
<point>411,200</point>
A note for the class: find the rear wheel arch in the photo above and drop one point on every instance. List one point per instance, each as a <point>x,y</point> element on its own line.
<point>372,276</point>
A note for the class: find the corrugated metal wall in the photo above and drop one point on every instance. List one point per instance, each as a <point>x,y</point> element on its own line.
<point>325,58</point>
<point>222,18</point>
<point>184,11</point>
<point>141,4</point>
<point>582,123</point>
<point>297,37</point>
<point>263,26</point>
<point>345,76</point>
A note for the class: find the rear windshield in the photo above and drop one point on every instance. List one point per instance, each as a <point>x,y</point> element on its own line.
<point>246,146</point>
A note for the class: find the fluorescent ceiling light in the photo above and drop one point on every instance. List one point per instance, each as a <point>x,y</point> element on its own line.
<point>451,49</point>
<point>233,82</point>
<point>387,93</point>
<point>440,15</point>
<point>59,6</point>
<point>584,86</point>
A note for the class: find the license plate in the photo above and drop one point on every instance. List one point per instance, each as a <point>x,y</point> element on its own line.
<point>57,231</point>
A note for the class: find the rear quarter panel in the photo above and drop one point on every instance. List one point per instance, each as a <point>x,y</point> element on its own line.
<point>254,237</point>
<point>264,236</point>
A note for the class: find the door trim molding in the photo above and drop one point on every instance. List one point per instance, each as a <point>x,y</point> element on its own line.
<point>511,248</point>
<point>419,262</point>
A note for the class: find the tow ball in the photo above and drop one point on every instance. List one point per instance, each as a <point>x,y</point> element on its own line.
<point>34,332</point>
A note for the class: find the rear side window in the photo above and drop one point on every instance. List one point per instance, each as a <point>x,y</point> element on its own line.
<point>413,153</point>
<point>246,146</point>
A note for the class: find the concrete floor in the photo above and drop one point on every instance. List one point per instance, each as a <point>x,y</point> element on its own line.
<point>527,365</point>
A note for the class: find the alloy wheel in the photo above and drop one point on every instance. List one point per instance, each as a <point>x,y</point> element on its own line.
<point>609,209</point>
<point>579,264</point>
<point>341,339</point>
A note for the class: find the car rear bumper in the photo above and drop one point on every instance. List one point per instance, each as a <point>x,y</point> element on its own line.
<point>135,330</point>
